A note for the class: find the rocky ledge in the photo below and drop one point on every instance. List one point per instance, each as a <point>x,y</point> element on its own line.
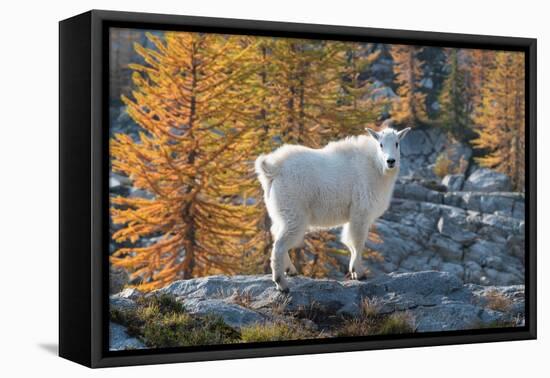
<point>428,300</point>
<point>469,223</point>
<point>477,236</point>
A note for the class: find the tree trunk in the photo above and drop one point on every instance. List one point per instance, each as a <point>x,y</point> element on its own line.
<point>188,263</point>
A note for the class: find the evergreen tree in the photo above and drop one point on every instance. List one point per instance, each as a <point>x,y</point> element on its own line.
<point>434,72</point>
<point>381,69</point>
<point>454,101</point>
<point>500,118</point>
<point>199,118</point>
<point>409,109</point>
<point>358,104</point>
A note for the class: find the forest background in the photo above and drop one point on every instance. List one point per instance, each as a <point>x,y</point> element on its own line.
<point>201,107</point>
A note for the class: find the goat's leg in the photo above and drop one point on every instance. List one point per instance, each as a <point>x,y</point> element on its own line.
<point>278,257</point>
<point>346,239</point>
<point>354,236</point>
<point>290,269</point>
<point>287,238</point>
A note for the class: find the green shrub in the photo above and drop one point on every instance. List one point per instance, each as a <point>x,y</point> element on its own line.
<point>161,321</point>
<point>184,330</point>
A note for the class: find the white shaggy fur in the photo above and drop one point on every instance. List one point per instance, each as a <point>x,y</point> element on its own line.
<point>348,182</point>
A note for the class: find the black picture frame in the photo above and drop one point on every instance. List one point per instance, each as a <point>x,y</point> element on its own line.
<point>83,196</point>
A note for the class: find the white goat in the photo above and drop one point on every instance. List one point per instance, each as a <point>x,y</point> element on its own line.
<point>348,182</point>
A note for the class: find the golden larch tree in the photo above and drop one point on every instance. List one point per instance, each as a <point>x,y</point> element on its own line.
<point>478,64</point>
<point>267,115</point>
<point>500,119</point>
<point>304,88</point>
<point>198,119</point>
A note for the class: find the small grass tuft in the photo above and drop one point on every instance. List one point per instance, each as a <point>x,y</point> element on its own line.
<point>274,332</point>
<point>313,311</point>
<point>442,165</point>
<point>395,324</point>
<point>371,322</point>
<point>280,304</point>
<point>165,303</point>
<point>242,298</point>
<point>497,301</point>
<point>354,327</point>
<point>369,308</point>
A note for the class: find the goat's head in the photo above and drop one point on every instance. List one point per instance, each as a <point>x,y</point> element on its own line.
<point>389,141</point>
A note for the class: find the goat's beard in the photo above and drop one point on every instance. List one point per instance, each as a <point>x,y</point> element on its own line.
<point>390,171</point>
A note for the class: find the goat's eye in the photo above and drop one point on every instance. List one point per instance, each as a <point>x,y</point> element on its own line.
<point>396,145</point>
<point>381,146</point>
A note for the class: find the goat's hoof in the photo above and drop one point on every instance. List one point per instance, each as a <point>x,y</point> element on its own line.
<point>355,276</point>
<point>283,290</point>
<point>281,284</point>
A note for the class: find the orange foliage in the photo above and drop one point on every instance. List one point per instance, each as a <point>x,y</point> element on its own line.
<point>193,157</point>
<point>501,118</point>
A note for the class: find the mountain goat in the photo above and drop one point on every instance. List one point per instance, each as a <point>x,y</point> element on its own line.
<point>348,182</point>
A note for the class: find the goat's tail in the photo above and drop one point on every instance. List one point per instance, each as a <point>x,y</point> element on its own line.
<point>266,172</point>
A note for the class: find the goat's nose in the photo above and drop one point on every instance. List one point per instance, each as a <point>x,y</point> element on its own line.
<point>391,161</point>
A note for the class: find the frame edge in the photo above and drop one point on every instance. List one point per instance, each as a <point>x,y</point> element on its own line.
<point>74,193</point>
<point>99,17</point>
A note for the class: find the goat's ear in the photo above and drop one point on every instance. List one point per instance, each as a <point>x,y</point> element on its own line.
<point>373,133</point>
<point>401,134</point>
